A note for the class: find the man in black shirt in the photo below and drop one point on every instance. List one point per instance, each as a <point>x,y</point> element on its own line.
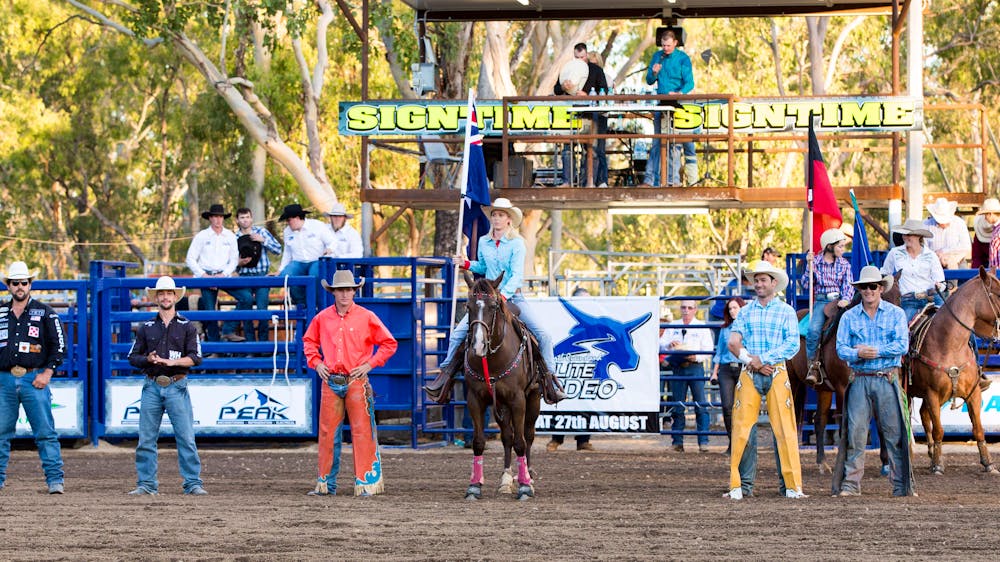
<point>164,349</point>
<point>596,82</point>
<point>32,347</point>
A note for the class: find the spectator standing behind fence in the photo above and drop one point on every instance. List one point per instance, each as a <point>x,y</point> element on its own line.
<point>582,439</point>
<point>984,226</point>
<point>921,278</point>
<point>306,240</point>
<point>254,243</point>
<point>214,252</point>
<point>347,240</point>
<point>726,366</point>
<point>764,336</point>
<point>670,70</point>
<point>950,235</point>
<point>340,345</point>
<point>164,349</point>
<point>871,339</point>
<point>596,82</point>
<point>32,346</point>
<point>694,337</point>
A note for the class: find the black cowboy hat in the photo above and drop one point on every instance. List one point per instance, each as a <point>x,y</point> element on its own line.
<point>216,210</point>
<point>293,210</point>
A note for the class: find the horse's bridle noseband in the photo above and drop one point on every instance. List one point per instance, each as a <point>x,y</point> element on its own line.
<point>489,327</point>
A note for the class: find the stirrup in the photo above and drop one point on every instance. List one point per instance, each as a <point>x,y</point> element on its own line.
<point>815,374</point>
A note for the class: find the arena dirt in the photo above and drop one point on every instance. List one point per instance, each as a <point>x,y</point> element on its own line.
<point>629,499</point>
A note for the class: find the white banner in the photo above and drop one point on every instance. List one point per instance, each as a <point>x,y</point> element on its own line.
<point>230,405</point>
<point>67,410</point>
<point>607,359</point>
<point>957,421</point>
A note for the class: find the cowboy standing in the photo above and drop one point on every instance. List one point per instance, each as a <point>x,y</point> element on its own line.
<point>764,336</point>
<point>872,339</point>
<point>687,372</point>
<point>32,347</point>
<point>921,278</point>
<point>164,349</point>
<point>949,234</point>
<point>340,345</point>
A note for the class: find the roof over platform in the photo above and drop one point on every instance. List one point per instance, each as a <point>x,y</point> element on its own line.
<point>485,10</point>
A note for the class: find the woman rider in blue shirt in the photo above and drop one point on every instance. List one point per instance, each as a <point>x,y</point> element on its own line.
<point>502,250</point>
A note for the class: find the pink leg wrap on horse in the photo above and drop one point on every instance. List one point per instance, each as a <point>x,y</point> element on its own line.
<point>477,470</point>
<point>522,471</point>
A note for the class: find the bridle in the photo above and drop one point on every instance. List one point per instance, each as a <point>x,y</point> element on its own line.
<point>488,327</point>
<point>994,306</point>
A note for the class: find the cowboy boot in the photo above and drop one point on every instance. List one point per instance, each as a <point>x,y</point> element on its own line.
<point>439,390</point>
<point>552,389</point>
<point>984,382</point>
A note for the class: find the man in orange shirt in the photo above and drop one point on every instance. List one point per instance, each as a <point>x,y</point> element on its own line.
<point>340,345</point>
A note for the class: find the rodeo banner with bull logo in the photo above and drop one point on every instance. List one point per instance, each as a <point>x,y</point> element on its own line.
<point>606,357</point>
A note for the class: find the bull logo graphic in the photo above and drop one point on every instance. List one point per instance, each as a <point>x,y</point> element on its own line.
<point>609,339</point>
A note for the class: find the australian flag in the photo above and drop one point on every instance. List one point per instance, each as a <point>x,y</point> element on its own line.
<point>476,190</point>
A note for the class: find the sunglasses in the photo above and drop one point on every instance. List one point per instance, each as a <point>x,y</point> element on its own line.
<point>18,282</point>
<point>870,286</point>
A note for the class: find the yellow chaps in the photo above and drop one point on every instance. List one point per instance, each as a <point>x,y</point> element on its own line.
<point>780,411</point>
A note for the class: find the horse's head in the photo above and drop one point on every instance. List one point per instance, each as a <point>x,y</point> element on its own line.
<point>981,295</point>
<point>611,339</point>
<point>485,306</point>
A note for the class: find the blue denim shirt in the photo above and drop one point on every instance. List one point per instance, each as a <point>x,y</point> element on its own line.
<point>888,332</point>
<point>722,353</point>
<point>507,256</point>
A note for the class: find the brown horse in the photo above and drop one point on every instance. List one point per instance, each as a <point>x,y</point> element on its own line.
<point>943,366</point>
<point>499,371</point>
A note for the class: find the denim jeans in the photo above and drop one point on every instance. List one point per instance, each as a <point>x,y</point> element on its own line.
<point>260,296</point>
<point>209,298</point>
<point>652,175</point>
<point>600,159</point>
<point>912,306</point>
<point>748,463</point>
<point>15,391</point>
<point>300,268</point>
<point>868,396</point>
<point>816,320</point>
<point>679,390</point>
<point>530,320</point>
<point>176,402</point>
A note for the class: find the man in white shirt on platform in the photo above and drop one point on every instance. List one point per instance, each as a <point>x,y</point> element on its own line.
<point>306,240</point>
<point>348,243</point>
<point>214,253</point>
<point>951,240</point>
<point>688,372</point>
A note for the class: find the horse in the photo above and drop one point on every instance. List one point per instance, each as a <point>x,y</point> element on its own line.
<point>499,371</point>
<point>943,366</point>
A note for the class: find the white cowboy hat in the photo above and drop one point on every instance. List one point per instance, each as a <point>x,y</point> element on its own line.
<point>762,266</point>
<point>504,204</point>
<point>848,230</point>
<point>19,270</point>
<point>942,210</point>
<point>871,274</point>
<point>166,283</point>
<point>831,236</point>
<point>914,227</point>
<point>990,205</point>
<point>342,279</point>
<point>984,230</point>
<point>575,71</point>
<point>338,210</point>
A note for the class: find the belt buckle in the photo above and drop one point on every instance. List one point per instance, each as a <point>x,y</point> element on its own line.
<point>339,379</point>
<point>920,296</point>
<point>163,380</point>
<point>18,371</point>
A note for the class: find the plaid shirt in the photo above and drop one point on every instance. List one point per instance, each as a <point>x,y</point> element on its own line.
<point>830,278</point>
<point>887,332</point>
<point>270,244</point>
<point>770,332</point>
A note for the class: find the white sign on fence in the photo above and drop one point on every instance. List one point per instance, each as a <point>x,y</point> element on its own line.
<point>957,421</point>
<point>67,410</point>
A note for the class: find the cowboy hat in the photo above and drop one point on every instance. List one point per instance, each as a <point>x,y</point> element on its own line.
<point>338,210</point>
<point>504,204</point>
<point>990,205</point>
<point>942,210</point>
<point>848,230</point>
<point>293,210</point>
<point>983,228</point>
<point>216,210</point>
<point>831,236</point>
<point>762,266</point>
<point>19,270</point>
<point>913,227</point>
<point>871,274</point>
<point>342,279</point>
<point>166,283</point>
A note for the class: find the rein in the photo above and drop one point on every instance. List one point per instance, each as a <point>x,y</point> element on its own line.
<point>490,348</point>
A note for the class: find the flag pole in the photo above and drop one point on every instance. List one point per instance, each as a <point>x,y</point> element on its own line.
<point>811,225</point>
<point>464,183</point>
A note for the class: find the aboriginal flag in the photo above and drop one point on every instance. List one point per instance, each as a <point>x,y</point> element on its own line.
<point>822,203</point>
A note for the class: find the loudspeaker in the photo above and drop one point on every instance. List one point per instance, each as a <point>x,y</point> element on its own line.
<point>519,172</point>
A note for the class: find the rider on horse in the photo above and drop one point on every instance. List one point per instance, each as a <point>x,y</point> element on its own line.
<point>921,279</point>
<point>501,250</point>
<point>831,275</point>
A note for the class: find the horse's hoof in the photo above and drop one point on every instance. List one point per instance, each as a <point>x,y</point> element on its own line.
<point>885,470</point>
<point>990,469</point>
<point>525,492</point>
<point>474,493</point>
<point>937,470</point>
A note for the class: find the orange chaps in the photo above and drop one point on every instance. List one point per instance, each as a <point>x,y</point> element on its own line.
<point>359,405</point>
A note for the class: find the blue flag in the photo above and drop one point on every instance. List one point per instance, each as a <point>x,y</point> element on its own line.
<point>477,191</point>
<point>861,255</point>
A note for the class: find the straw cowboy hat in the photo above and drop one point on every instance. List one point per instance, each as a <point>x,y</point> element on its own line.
<point>504,204</point>
<point>293,210</point>
<point>216,210</point>
<point>765,267</point>
<point>19,270</point>
<point>342,279</point>
<point>983,228</point>
<point>942,210</point>
<point>913,227</point>
<point>848,230</point>
<point>990,205</point>
<point>831,236</point>
<point>338,210</point>
<point>166,283</point>
<point>871,274</point>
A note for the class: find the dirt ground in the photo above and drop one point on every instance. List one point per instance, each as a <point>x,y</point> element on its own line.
<point>631,498</point>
